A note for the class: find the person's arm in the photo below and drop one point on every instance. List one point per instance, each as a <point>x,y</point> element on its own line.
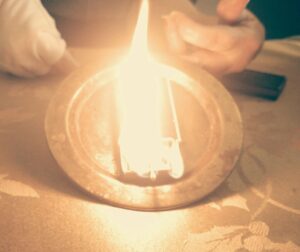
<point>222,48</point>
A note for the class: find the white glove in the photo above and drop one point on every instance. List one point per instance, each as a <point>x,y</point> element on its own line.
<point>29,41</point>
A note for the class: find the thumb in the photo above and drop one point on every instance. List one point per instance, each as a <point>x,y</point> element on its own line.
<point>49,48</point>
<point>231,10</point>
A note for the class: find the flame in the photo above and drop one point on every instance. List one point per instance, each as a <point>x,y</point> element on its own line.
<point>143,150</point>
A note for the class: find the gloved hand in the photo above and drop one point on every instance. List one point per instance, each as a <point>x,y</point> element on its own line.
<point>226,47</point>
<point>29,41</point>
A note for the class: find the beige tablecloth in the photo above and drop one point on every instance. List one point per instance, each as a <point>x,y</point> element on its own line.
<point>256,209</point>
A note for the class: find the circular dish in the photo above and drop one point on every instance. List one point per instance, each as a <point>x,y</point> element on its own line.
<point>82,132</point>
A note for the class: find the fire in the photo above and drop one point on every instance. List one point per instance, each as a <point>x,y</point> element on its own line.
<point>143,149</point>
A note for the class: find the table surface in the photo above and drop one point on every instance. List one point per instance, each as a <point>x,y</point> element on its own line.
<point>256,209</point>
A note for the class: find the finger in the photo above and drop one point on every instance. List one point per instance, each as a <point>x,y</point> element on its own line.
<point>230,10</point>
<point>32,71</point>
<point>175,43</point>
<point>23,71</point>
<point>192,32</point>
<point>18,72</point>
<point>27,66</point>
<point>49,48</point>
<point>52,51</point>
<point>212,37</point>
<point>214,62</point>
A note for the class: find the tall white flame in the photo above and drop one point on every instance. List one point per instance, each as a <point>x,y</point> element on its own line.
<point>143,149</point>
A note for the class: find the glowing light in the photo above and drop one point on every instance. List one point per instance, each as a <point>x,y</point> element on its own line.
<point>134,230</point>
<point>143,149</point>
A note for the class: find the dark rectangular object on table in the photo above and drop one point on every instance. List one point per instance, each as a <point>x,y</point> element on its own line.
<point>254,83</point>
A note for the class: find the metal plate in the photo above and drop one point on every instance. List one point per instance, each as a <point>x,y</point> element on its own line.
<point>82,130</point>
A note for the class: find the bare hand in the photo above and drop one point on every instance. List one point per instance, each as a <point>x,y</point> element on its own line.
<point>225,47</point>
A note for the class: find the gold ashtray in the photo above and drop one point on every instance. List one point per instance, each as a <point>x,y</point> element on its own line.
<point>82,129</point>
